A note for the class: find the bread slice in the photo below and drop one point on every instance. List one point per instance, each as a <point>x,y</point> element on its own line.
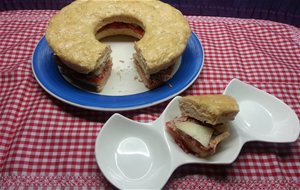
<point>210,109</point>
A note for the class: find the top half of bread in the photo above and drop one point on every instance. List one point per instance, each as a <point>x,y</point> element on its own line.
<point>211,109</point>
<point>71,32</point>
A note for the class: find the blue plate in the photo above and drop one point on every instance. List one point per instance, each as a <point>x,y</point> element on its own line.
<point>48,76</point>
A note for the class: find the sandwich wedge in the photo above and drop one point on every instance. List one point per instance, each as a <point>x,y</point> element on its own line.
<point>203,124</point>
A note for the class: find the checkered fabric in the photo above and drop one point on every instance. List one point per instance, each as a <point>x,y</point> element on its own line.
<point>46,143</point>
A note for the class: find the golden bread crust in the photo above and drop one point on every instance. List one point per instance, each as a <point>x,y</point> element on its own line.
<point>71,33</point>
<point>211,109</point>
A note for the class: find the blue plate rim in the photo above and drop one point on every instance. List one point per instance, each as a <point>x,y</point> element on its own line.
<point>162,92</point>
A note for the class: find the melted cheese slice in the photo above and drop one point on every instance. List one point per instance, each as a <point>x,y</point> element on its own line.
<point>199,132</point>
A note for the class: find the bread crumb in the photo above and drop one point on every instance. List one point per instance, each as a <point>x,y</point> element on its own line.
<point>137,78</point>
<point>122,61</point>
<point>119,75</point>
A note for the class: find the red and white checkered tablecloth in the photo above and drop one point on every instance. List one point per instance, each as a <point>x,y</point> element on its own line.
<point>47,143</point>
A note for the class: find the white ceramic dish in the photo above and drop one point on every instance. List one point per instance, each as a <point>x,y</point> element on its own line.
<point>134,155</point>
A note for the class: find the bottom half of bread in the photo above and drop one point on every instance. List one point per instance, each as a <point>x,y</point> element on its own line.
<point>94,81</point>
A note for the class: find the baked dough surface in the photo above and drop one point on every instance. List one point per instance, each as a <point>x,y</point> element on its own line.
<point>71,33</point>
<point>211,109</point>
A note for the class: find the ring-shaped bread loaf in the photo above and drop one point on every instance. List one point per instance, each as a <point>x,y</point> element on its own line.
<point>73,33</point>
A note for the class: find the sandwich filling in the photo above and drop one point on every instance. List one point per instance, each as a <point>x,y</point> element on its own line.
<point>93,81</point>
<point>196,137</point>
<point>154,80</point>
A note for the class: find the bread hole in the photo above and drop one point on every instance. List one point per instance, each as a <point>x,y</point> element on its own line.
<point>116,26</point>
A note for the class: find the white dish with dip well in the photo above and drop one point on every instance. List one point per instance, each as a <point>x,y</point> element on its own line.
<point>135,155</point>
